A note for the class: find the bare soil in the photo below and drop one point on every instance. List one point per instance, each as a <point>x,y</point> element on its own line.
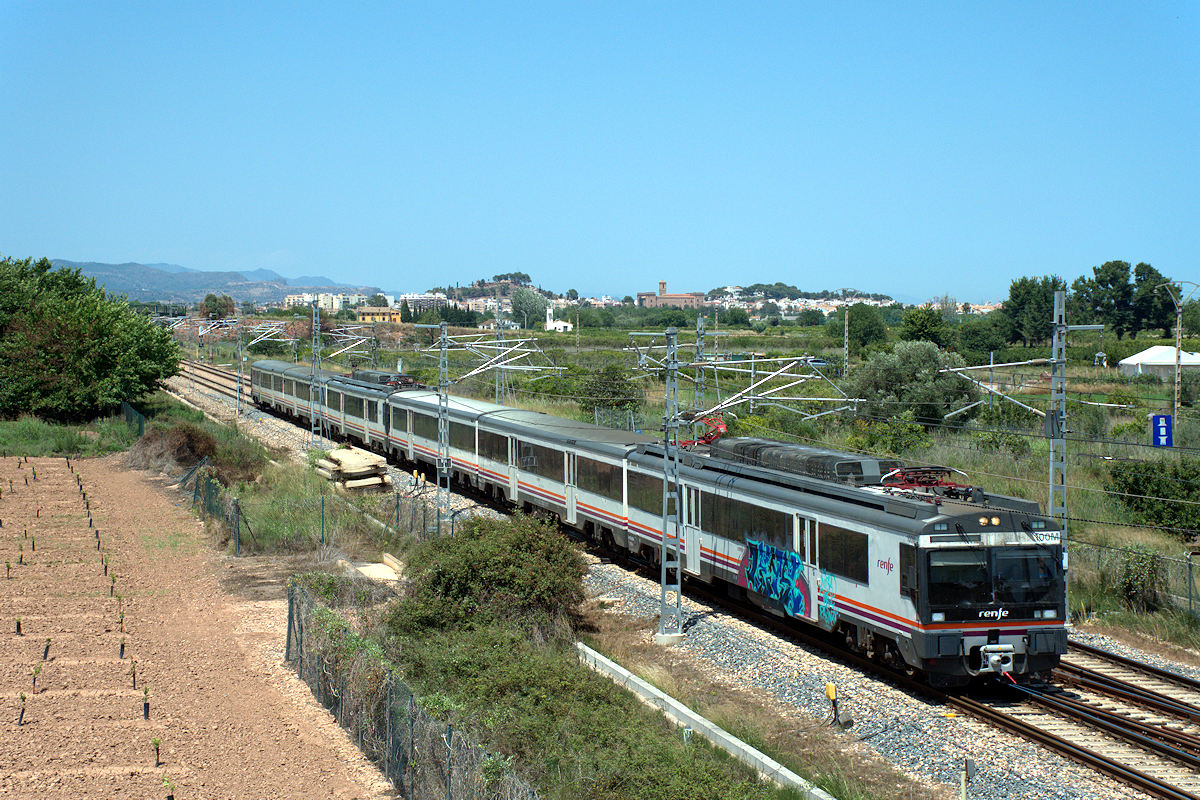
<point>207,634</point>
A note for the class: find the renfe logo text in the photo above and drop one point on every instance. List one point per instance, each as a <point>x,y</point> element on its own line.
<point>995,613</point>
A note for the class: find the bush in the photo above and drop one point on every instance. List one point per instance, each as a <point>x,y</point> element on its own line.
<point>1013,443</point>
<point>908,378</point>
<point>1148,489</point>
<point>1146,379</point>
<point>896,435</point>
<point>1132,431</point>
<point>1141,578</point>
<point>495,571</point>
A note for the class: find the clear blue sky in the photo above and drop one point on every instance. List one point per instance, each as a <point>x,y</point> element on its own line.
<point>907,148</point>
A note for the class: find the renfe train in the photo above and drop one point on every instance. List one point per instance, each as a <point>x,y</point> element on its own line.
<point>908,567</point>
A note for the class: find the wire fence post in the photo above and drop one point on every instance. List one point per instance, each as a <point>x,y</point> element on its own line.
<point>322,520</point>
<point>237,528</point>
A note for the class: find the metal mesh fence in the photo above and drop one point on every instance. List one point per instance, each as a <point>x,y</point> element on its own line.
<point>423,757</point>
<point>1107,565</point>
<point>134,418</point>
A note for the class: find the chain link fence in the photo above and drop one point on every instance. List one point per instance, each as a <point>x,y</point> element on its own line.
<point>423,757</point>
<point>135,419</point>
<point>295,524</point>
<point>1171,579</point>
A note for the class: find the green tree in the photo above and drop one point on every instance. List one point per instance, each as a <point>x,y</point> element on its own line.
<point>1152,308</point>
<point>572,295</point>
<point>528,306</point>
<point>926,324</point>
<point>810,317</point>
<point>866,326</point>
<point>217,306</point>
<point>1191,318</point>
<point>68,350</point>
<point>736,317</point>
<point>979,337</point>
<point>406,314</point>
<point>907,378</point>
<point>1106,297</point>
<point>1026,314</point>
<point>377,300</point>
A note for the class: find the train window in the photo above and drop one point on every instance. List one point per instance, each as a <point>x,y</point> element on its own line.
<point>645,492</point>
<point>372,411</point>
<point>354,406</point>
<point>599,478</point>
<point>462,436</point>
<point>958,576</point>
<point>333,400</point>
<point>400,420</point>
<point>540,460</point>
<point>278,384</point>
<point>425,426</point>
<point>1026,575</point>
<point>289,388</point>
<point>908,571</point>
<point>812,540</point>
<point>842,552</point>
<point>493,446</point>
<point>737,520</point>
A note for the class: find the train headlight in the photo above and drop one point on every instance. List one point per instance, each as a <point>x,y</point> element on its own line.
<point>995,520</point>
<point>983,521</point>
<point>938,616</point>
<point>1049,613</point>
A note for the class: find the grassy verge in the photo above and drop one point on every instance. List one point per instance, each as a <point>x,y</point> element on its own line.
<point>485,632</point>
<point>30,436</point>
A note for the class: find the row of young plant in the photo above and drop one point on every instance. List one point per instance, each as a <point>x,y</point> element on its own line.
<point>104,566</point>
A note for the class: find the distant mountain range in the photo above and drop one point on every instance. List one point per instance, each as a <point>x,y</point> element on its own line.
<point>178,284</point>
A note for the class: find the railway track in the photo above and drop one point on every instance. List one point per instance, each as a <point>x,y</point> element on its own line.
<point>219,380</point>
<point>1131,721</point>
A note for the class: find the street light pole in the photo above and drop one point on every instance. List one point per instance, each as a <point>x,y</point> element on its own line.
<point>1179,302</point>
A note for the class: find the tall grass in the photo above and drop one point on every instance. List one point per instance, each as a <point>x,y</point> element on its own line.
<point>30,436</point>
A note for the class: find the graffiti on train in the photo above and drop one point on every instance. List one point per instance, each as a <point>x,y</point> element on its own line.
<point>778,574</point>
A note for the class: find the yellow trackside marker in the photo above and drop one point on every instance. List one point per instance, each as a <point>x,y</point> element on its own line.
<point>830,692</point>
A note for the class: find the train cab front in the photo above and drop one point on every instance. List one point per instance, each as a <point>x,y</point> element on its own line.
<point>991,597</point>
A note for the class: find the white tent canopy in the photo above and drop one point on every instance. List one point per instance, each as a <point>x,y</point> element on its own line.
<point>1159,360</point>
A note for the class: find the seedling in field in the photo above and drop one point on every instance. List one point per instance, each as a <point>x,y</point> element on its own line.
<point>46,650</point>
<point>145,702</point>
<point>19,627</point>
<point>122,653</point>
<point>37,670</point>
<point>119,598</point>
<point>156,743</point>
<point>133,671</point>
<point>21,716</point>
<point>20,552</point>
<point>8,574</point>
<point>33,544</point>
<point>112,587</point>
<point>170,787</point>
<point>121,620</point>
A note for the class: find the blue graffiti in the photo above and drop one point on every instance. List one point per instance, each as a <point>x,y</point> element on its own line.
<point>826,605</point>
<point>777,574</point>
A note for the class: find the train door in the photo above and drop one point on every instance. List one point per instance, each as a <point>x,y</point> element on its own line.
<point>804,544</point>
<point>385,416</point>
<point>691,529</point>
<point>514,471</point>
<point>569,488</point>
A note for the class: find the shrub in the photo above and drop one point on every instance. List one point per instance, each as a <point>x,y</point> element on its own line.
<point>908,378</point>
<point>492,570</point>
<point>996,441</point>
<point>1130,431</point>
<point>1147,489</point>
<point>894,435</point>
<point>1141,578</point>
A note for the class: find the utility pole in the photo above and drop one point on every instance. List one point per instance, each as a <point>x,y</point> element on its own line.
<point>846,342</point>
<point>1056,415</point>
<point>499,346</point>
<point>700,395</point>
<point>670,618</point>
<point>314,390</point>
<point>1179,299</point>
<point>443,457</point>
<point>239,369</point>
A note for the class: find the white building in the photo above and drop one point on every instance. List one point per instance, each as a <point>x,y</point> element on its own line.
<point>1159,360</point>
<point>557,325</point>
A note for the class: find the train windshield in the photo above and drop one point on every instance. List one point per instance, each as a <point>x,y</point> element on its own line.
<point>959,576</point>
<point>1025,574</point>
<point>994,575</point>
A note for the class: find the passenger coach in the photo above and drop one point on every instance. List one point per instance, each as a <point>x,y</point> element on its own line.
<point>913,570</point>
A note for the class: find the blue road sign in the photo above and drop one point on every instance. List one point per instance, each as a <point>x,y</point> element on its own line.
<point>1160,430</point>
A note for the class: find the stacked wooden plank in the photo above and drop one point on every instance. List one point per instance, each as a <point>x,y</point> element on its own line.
<point>352,468</point>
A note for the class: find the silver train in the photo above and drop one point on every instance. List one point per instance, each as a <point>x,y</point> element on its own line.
<point>908,567</point>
